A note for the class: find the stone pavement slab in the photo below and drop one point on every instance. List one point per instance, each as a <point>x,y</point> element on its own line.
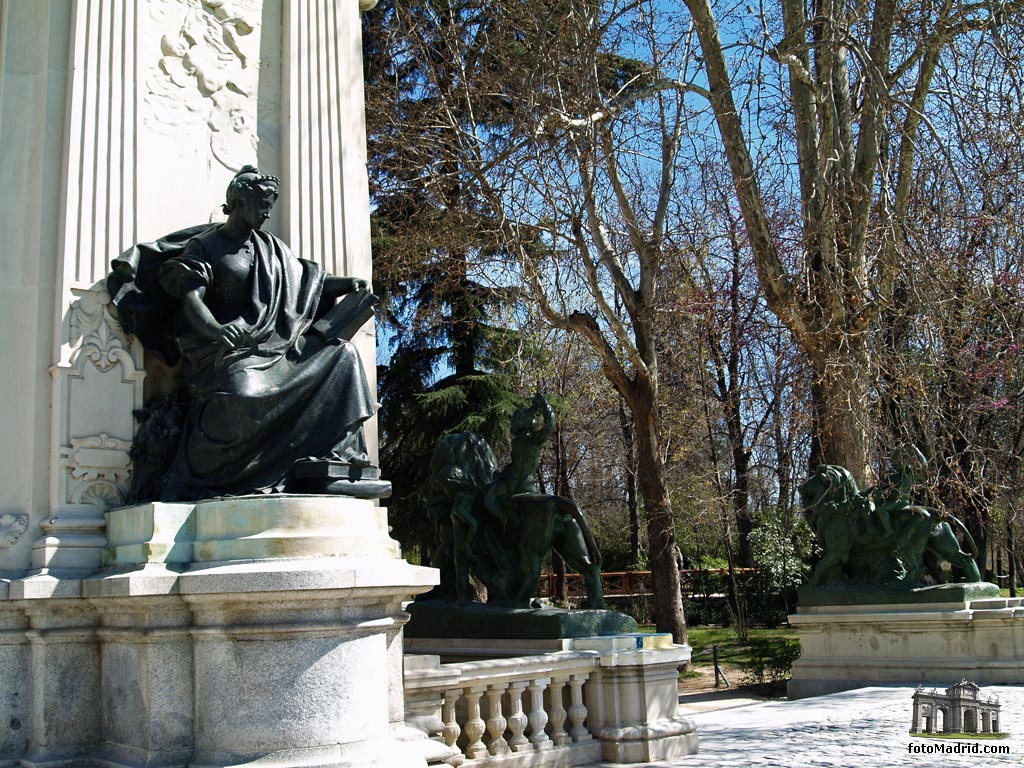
<point>853,729</point>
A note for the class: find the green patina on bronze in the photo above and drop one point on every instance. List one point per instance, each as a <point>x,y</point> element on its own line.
<point>496,525</point>
<point>445,618</point>
<point>850,593</point>
<point>875,541</point>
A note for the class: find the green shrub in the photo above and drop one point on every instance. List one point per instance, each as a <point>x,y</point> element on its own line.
<point>771,661</point>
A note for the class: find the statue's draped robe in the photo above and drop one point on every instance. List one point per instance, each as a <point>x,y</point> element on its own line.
<point>286,396</point>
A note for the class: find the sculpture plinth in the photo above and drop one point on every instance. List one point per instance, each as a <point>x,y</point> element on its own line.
<point>247,528</point>
<point>870,594</point>
<point>867,617</point>
<point>850,646</point>
<point>190,650</point>
<point>337,477</point>
<point>441,618</point>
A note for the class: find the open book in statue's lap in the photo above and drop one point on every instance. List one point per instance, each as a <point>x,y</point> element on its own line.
<point>265,389</point>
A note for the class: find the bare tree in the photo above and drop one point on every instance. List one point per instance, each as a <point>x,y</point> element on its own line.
<point>593,260</point>
<point>517,92</point>
<point>853,87</point>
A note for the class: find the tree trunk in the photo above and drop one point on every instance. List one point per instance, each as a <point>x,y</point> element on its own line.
<point>661,536</point>
<point>740,494</point>
<point>841,395</point>
<point>561,588</point>
<point>1011,553</point>
<point>629,471</point>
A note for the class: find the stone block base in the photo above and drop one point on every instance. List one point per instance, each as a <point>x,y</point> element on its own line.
<point>852,646</point>
<point>275,663</point>
<point>247,528</point>
<point>662,741</point>
<point>633,697</point>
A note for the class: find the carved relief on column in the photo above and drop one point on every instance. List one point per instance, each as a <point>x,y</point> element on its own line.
<point>97,384</point>
<point>210,102</point>
<point>205,75</point>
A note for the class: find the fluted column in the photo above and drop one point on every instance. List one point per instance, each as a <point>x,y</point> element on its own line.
<point>97,372</point>
<point>325,134</point>
<point>326,191</point>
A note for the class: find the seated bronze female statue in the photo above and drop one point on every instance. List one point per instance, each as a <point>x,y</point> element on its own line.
<point>264,391</point>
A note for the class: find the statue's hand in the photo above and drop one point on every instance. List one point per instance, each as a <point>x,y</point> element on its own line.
<point>232,337</point>
<point>335,287</point>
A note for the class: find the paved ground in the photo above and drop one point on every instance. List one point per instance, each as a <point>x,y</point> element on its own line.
<point>855,729</point>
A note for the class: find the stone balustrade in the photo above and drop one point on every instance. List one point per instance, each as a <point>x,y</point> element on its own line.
<point>527,710</point>
<point>611,699</point>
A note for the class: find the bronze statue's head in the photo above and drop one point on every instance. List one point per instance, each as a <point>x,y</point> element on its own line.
<point>249,182</point>
<point>907,460</point>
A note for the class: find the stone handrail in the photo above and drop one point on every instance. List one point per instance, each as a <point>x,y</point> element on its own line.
<point>496,709</point>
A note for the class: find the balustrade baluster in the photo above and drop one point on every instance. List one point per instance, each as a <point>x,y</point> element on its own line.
<point>517,719</point>
<point>538,717</point>
<point>577,709</point>
<point>450,732</point>
<point>496,721</point>
<point>475,726</point>
<point>557,713</point>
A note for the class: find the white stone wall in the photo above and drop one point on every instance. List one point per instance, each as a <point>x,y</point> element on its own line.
<point>121,121</point>
<point>34,58</point>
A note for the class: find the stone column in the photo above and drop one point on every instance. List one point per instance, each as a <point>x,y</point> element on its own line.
<point>324,126</point>
<point>97,376</point>
<point>34,74</point>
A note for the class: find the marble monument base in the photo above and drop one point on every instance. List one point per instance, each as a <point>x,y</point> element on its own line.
<point>852,646</point>
<point>180,661</point>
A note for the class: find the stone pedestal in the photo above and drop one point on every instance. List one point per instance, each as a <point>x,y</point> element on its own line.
<point>632,698</point>
<point>170,659</point>
<point>291,667</point>
<point>851,646</point>
<point>247,528</point>
<point>434,619</point>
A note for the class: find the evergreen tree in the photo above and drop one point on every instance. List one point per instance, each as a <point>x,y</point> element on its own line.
<point>450,365</point>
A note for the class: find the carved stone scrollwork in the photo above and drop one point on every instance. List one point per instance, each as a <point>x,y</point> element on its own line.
<point>96,335</point>
<point>99,470</point>
<point>11,528</point>
<point>97,384</point>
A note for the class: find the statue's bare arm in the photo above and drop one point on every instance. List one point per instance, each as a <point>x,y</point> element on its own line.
<point>201,319</point>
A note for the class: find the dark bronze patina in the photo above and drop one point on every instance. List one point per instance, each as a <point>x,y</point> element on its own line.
<point>269,378</point>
